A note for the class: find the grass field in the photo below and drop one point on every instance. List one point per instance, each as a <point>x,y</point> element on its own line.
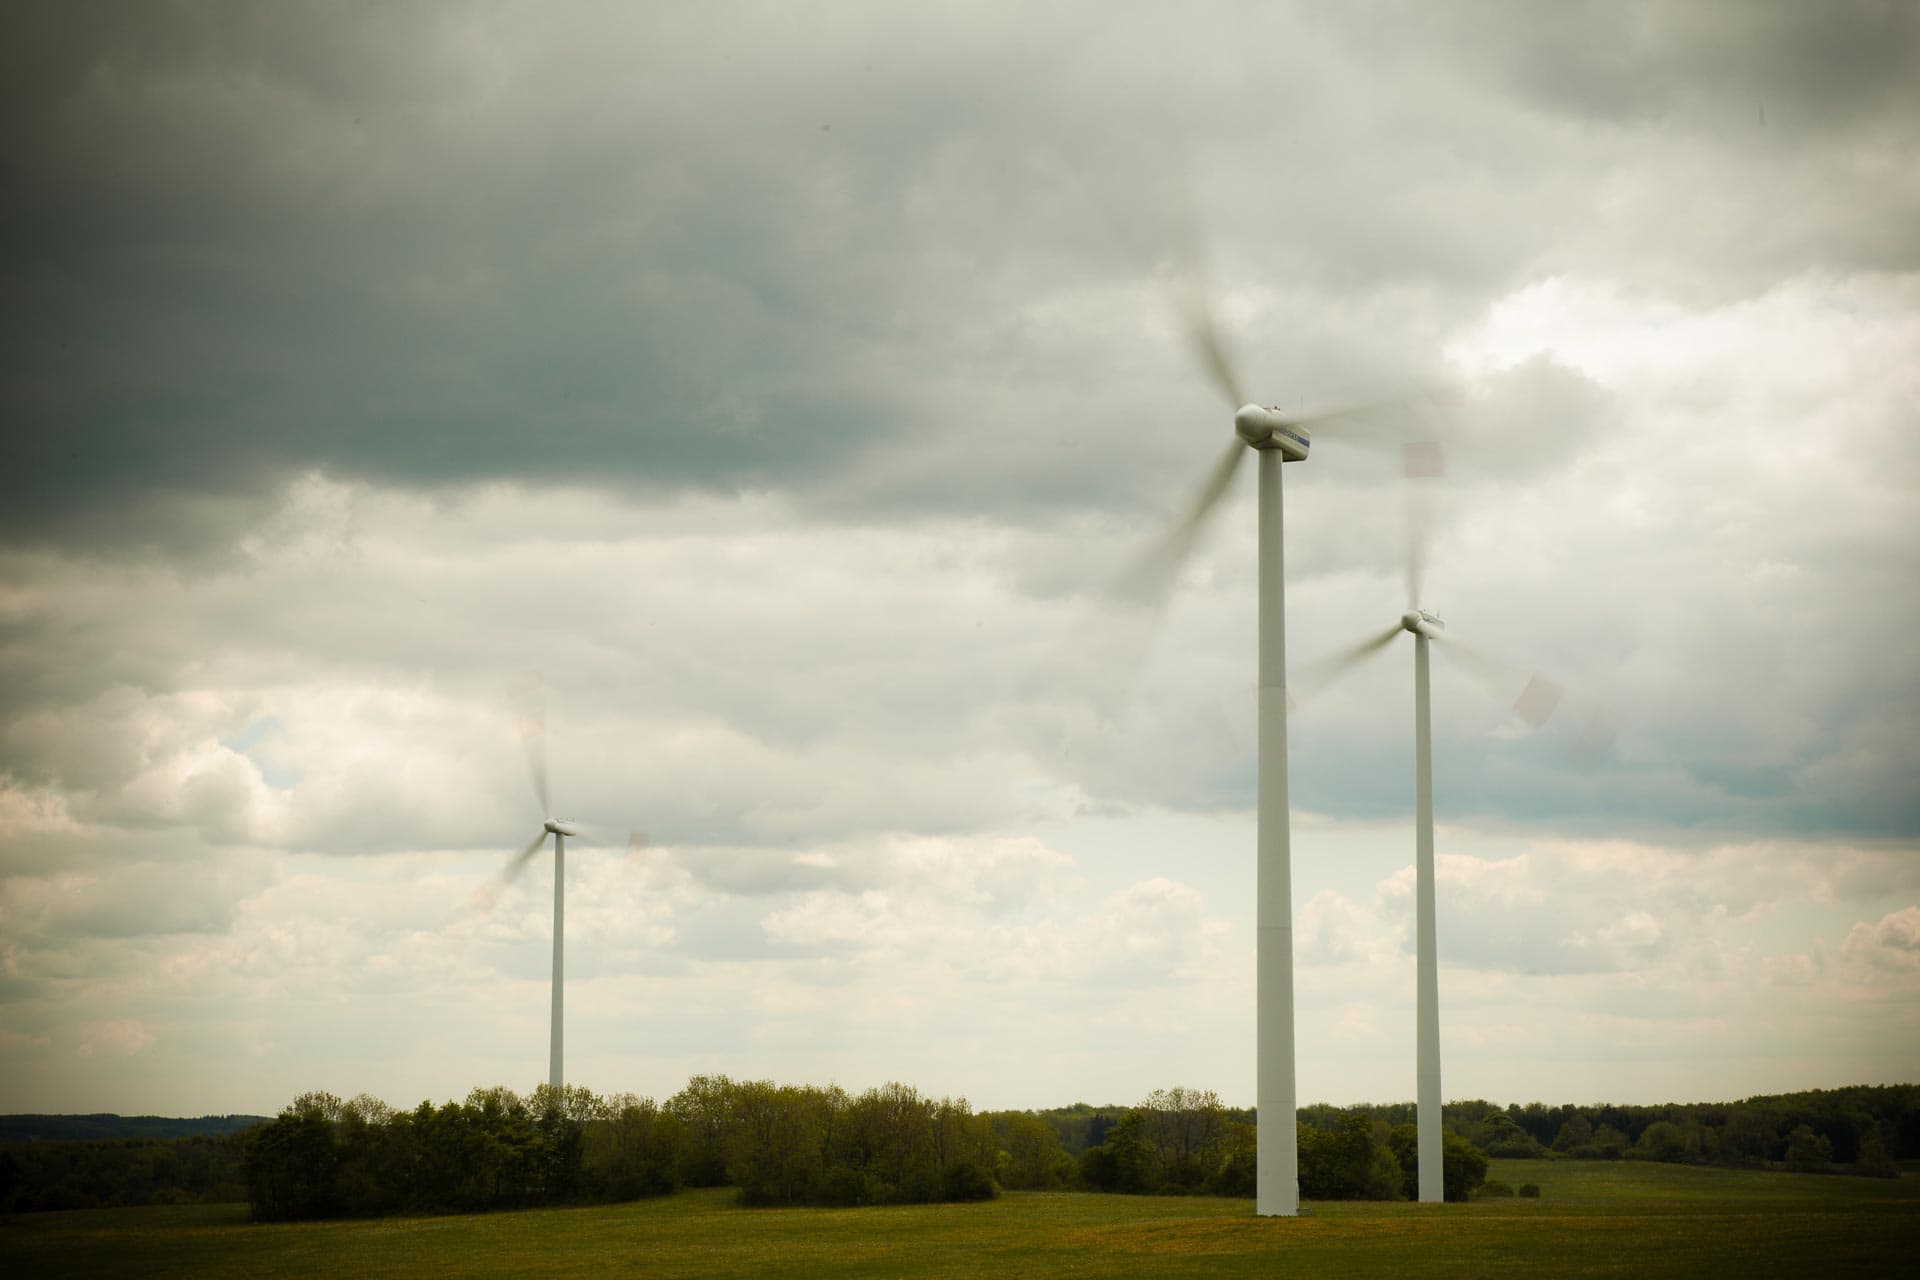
<point>1593,1219</point>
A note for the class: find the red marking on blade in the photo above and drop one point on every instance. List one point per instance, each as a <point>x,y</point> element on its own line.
<point>1422,460</point>
<point>1537,701</point>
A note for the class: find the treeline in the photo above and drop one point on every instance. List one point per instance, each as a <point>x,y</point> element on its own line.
<point>779,1144</point>
<point>1181,1141</point>
<point>1184,1142</point>
<point>789,1144</point>
<point>104,1125</point>
<point>1864,1129</point>
<point>102,1174</point>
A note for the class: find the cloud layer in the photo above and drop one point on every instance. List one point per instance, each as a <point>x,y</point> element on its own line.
<point>784,392</point>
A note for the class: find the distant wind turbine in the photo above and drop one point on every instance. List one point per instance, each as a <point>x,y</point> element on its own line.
<point>533,735</point>
<point>1535,705</point>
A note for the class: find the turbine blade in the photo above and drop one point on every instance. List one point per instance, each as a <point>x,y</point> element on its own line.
<point>1537,696</point>
<point>520,860</point>
<point>1200,318</point>
<point>1407,420</point>
<point>1149,579</point>
<point>1419,521</point>
<point>637,843</point>
<point>1311,677</point>
<point>530,709</point>
<point>1536,702</point>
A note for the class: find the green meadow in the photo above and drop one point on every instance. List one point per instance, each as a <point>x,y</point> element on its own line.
<point>1593,1218</point>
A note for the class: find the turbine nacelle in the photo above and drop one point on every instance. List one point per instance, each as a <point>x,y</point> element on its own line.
<point>1422,623</point>
<point>1263,427</point>
<point>561,827</point>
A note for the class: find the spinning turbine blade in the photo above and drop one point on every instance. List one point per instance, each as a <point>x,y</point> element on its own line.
<point>1387,422</point>
<point>1194,300</point>
<point>531,716</point>
<point>1538,695</point>
<point>521,859</point>
<point>637,843</point>
<point>1536,702</point>
<point>1150,578</point>
<point>1415,566</point>
<point>1422,460</point>
<point>1417,505</point>
<point>1314,676</point>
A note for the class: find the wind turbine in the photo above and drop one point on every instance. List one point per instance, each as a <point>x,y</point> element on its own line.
<point>1275,438</point>
<point>1535,705</point>
<point>533,733</point>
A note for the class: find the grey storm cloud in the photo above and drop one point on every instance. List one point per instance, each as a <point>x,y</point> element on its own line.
<point>429,246</point>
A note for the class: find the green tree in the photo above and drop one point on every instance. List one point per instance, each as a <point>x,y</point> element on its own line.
<point>633,1150</point>
<point>1463,1166</point>
<point>291,1165</point>
<point>1875,1161</point>
<point>1662,1140</point>
<point>1032,1158</point>
<point>1576,1132</point>
<point>775,1148</point>
<point>705,1111</point>
<point>1346,1163</point>
<point>1609,1143</point>
<point>1124,1162</point>
<point>1807,1151</point>
<point>1184,1127</point>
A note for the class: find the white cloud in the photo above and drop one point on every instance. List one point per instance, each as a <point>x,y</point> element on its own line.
<point>1891,943</point>
<point>122,1037</point>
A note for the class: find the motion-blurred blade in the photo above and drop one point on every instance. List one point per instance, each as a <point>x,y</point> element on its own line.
<point>1200,318</point>
<point>1422,460</point>
<point>1419,523</point>
<point>1149,579</point>
<point>1536,702</point>
<point>1538,695</point>
<point>1310,678</point>
<point>530,710</point>
<point>638,842</point>
<point>1390,421</point>
<point>521,859</point>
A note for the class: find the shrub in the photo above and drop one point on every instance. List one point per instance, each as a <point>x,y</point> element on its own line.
<point>965,1180</point>
<point>1529,1191</point>
<point>1494,1189</point>
<point>850,1188</point>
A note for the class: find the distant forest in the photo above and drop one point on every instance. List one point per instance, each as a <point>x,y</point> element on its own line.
<point>84,1128</point>
<point>803,1144</point>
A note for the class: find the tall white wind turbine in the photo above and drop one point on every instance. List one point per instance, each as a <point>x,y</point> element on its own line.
<point>1275,438</point>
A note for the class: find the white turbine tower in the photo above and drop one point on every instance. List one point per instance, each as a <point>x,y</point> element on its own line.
<point>1275,438</point>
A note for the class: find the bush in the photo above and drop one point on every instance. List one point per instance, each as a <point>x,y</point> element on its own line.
<point>851,1188</point>
<point>1529,1191</point>
<point>965,1180</point>
<point>1493,1189</point>
<point>1346,1162</point>
<point>1237,1173</point>
<point>1808,1152</point>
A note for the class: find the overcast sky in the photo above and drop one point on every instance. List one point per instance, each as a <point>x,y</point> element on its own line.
<point>781,387</point>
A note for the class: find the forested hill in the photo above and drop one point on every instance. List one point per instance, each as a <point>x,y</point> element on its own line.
<point>86,1128</point>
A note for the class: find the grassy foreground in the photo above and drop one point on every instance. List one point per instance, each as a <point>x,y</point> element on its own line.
<point>1592,1219</point>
